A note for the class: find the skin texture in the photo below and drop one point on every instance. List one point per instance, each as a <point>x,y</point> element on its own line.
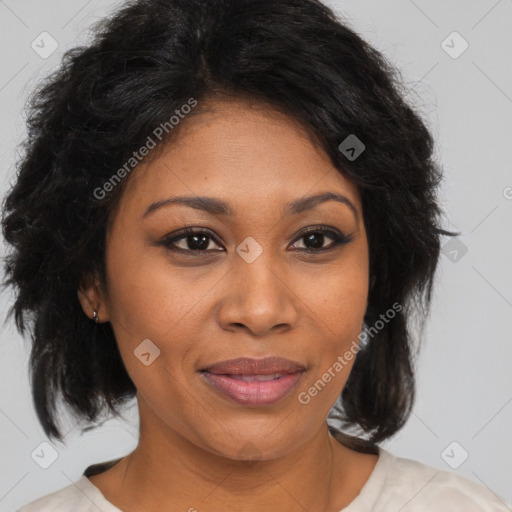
<point>197,447</point>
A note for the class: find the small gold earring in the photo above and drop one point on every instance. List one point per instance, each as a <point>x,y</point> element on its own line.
<point>95,317</point>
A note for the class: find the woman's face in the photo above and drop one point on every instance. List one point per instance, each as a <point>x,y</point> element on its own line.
<point>247,288</point>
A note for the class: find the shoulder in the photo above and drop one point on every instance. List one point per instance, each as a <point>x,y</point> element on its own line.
<point>81,496</point>
<point>418,487</point>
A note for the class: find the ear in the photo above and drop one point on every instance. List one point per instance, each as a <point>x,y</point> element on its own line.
<point>92,297</point>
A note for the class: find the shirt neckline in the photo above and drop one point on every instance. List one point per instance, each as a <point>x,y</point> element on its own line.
<point>95,495</point>
<point>363,501</point>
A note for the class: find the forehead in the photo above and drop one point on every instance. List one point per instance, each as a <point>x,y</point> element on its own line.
<point>247,153</point>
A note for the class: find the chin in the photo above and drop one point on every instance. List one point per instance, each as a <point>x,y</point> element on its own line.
<point>248,445</point>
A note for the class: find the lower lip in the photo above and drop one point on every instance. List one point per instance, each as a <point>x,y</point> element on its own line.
<point>254,393</point>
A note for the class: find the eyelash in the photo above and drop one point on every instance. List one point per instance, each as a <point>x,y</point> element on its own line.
<point>337,237</point>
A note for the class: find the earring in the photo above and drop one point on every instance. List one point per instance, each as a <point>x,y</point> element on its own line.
<point>95,317</point>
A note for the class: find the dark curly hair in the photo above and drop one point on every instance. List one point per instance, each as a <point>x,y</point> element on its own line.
<point>86,119</point>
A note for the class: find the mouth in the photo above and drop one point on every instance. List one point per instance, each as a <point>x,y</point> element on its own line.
<point>250,366</point>
<point>254,382</point>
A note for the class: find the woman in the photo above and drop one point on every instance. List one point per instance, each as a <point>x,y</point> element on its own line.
<point>213,215</point>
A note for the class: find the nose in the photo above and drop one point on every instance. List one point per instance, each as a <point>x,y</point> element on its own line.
<point>258,299</point>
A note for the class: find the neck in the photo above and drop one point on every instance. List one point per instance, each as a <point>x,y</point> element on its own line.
<point>168,472</point>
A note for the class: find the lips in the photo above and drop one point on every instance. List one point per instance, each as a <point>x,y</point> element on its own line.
<point>254,382</point>
<point>249,366</point>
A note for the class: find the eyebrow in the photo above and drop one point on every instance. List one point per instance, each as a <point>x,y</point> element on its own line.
<point>215,206</point>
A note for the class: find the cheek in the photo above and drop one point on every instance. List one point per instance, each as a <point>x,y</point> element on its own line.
<point>151,300</point>
<point>338,308</point>
<point>340,300</point>
<point>146,296</point>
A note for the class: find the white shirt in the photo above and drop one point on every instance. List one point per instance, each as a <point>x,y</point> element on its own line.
<point>396,484</point>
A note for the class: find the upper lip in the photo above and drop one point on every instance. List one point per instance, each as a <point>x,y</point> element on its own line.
<point>249,366</point>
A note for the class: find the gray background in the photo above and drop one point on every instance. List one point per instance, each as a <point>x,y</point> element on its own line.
<point>464,404</point>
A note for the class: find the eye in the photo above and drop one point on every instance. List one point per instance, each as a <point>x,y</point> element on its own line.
<point>314,239</point>
<point>191,240</point>
<point>199,241</point>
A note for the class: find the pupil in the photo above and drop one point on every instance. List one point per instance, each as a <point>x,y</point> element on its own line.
<point>201,246</point>
<point>319,238</point>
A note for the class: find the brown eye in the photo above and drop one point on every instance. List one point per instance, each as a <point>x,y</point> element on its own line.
<point>191,241</point>
<point>314,239</point>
